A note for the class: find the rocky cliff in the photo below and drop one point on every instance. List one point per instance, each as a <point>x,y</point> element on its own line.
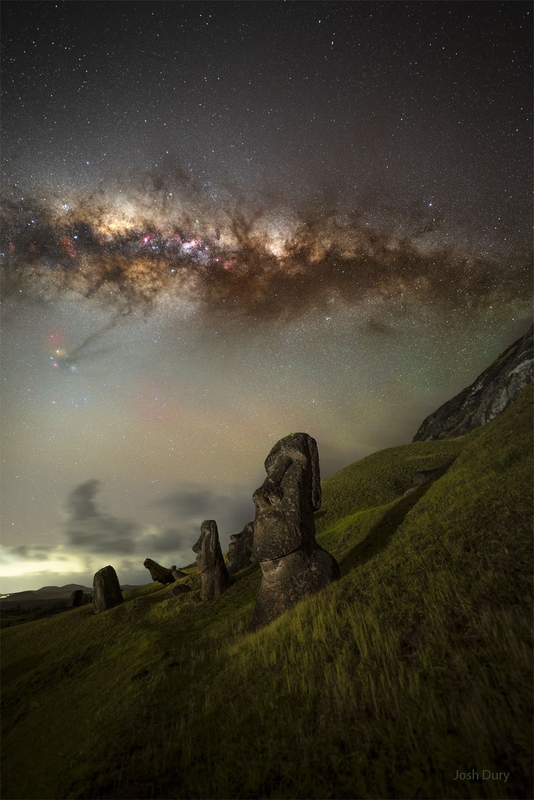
<point>489,395</point>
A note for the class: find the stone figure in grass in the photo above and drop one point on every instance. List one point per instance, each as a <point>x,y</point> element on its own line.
<point>240,549</point>
<point>293,564</point>
<point>210,562</point>
<point>76,599</point>
<point>159,573</point>
<point>106,590</point>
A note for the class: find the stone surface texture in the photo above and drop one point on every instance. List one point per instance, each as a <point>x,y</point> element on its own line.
<point>239,554</point>
<point>293,564</point>
<point>210,562</point>
<point>106,590</point>
<point>159,573</point>
<point>489,395</point>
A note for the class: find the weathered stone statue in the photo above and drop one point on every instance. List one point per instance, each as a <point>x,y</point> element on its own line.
<point>293,564</point>
<point>106,590</point>
<point>210,562</point>
<point>76,599</point>
<point>159,573</point>
<point>240,549</point>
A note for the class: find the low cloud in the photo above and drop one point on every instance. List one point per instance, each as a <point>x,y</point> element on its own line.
<point>92,536</point>
<point>95,531</point>
<point>193,504</point>
<point>168,540</point>
<point>11,553</point>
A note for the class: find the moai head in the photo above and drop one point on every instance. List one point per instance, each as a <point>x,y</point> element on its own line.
<point>286,502</point>
<point>240,549</point>
<point>207,548</point>
<point>149,565</point>
<point>159,573</point>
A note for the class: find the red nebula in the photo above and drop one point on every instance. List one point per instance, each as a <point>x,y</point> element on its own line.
<point>68,246</point>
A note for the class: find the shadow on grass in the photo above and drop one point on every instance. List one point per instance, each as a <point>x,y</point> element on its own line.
<point>380,536</point>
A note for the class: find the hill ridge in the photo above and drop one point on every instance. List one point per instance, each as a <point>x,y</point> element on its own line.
<point>491,393</point>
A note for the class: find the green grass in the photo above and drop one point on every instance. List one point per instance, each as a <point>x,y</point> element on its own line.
<point>416,664</point>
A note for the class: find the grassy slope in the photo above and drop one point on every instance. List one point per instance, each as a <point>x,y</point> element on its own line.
<point>413,666</point>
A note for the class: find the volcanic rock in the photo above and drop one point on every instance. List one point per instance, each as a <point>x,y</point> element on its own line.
<point>293,564</point>
<point>106,590</point>
<point>239,554</point>
<point>489,395</point>
<point>210,562</point>
<point>159,573</point>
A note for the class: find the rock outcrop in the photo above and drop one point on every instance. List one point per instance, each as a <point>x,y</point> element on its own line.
<point>106,590</point>
<point>239,554</point>
<point>159,573</point>
<point>210,562</point>
<point>489,395</point>
<point>293,564</point>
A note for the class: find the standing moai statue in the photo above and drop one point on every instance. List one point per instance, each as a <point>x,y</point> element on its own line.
<point>76,599</point>
<point>293,564</point>
<point>240,549</point>
<point>106,590</point>
<point>159,573</point>
<point>210,562</point>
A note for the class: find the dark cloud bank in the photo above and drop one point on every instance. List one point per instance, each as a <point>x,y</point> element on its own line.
<point>91,530</point>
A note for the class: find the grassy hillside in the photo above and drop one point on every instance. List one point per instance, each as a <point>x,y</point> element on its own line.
<point>415,665</point>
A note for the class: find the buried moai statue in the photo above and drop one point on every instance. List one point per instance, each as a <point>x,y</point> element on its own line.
<point>159,573</point>
<point>106,590</point>
<point>210,562</point>
<point>240,549</point>
<point>293,564</point>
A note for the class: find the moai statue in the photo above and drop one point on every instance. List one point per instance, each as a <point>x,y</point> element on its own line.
<point>240,549</point>
<point>159,573</point>
<point>76,599</point>
<point>106,590</point>
<point>210,562</point>
<point>293,564</point>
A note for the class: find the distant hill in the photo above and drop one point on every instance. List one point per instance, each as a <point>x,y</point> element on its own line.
<point>413,669</point>
<point>490,394</point>
<point>28,598</point>
<point>61,591</point>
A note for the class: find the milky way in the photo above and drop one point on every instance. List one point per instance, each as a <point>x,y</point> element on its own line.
<point>242,265</point>
<point>223,222</point>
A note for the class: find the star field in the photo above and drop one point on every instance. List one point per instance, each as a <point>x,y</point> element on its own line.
<point>223,222</point>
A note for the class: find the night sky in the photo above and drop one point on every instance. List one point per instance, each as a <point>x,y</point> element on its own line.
<point>226,222</point>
